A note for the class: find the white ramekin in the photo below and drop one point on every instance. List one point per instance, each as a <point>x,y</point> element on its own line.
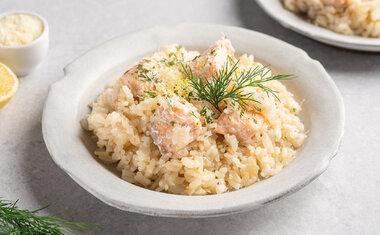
<point>25,58</point>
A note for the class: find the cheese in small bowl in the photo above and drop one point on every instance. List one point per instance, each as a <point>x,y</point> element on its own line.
<point>19,29</point>
<point>24,40</point>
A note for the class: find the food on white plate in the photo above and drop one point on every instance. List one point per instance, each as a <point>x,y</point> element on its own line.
<point>349,17</point>
<point>19,28</point>
<point>189,123</point>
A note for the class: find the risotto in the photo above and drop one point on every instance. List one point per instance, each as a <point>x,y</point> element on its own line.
<point>189,123</point>
<point>350,17</point>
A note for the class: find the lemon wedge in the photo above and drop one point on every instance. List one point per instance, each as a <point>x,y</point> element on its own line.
<point>8,84</point>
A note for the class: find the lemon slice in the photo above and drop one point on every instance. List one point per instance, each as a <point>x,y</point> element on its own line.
<point>8,85</point>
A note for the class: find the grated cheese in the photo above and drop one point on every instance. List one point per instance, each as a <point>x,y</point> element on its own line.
<point>19,29</point>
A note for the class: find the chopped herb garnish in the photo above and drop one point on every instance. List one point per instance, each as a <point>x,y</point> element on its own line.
<point>144,74</point>
<point>174,59</point>
<point>172,123</point>
<point>169,102</point>
<point>140,67</point>
<point>152,94</point>
<point>242,113</point>
<point>204,114</point>
<point>203,111</point>
<point>153,111</point>
<point>193,114</point>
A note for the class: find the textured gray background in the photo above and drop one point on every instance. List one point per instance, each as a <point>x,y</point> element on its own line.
<point>344,200</point>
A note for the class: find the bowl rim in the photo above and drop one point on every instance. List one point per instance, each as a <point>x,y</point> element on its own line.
<point>294,22</point>
<point>188,212</point>
<point>35,41</point>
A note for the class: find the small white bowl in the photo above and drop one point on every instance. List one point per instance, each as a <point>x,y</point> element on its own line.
<point>72,148</point>
<point>25,58</point>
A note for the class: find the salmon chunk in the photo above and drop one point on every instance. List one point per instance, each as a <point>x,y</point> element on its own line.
<point>212,59</point>
<point>139,78</point>
<point>244,127</point>
<point>174,126</point>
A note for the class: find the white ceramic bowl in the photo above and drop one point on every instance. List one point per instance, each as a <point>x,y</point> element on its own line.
<point>25,58</point>
<point>288,19</point>
<point>72,148</point>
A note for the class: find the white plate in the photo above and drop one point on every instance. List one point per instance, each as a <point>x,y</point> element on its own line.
<point>288,19</point>
<point>71,147</point>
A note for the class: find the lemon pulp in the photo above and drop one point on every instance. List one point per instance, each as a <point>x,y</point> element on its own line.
<point>8,84</point>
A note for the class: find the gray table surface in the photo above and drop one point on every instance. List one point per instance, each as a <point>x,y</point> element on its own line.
<point>343,200</point>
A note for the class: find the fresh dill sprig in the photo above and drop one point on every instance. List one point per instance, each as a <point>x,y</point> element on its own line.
<point>16,222</point>
<point>222,86</point>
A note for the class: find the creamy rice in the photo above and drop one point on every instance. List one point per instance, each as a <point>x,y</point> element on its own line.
<point>350,17</point>
<point>214,163</point>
